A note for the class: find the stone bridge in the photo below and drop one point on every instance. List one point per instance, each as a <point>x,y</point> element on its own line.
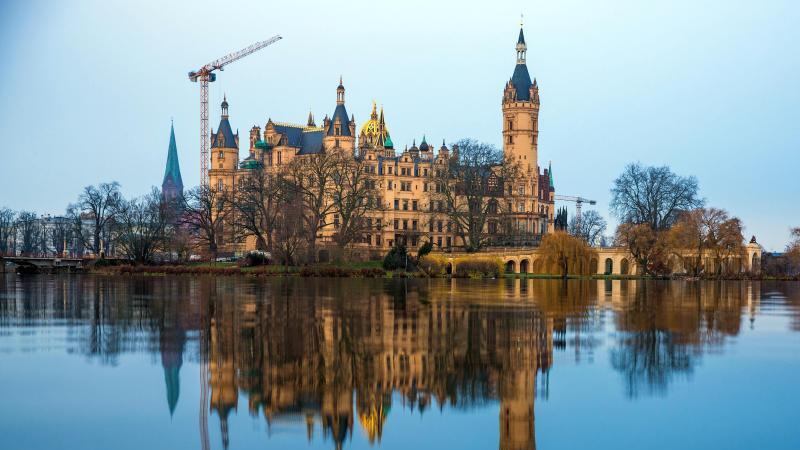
<point>609,260</point>
<point>43,264</point>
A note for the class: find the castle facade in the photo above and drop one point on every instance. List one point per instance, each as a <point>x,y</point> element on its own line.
<point>402,177</point>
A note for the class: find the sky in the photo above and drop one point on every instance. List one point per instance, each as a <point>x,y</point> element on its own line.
<point>710,88</point>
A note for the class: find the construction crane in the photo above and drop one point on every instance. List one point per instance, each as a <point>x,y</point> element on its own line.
<point>206,75</point>
<point>579,201</point>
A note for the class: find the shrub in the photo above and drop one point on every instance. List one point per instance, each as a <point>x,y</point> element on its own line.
<point>473,267</point>
<point>398,258</point>
<point>254,258</point>
<point>373,272</point>
<point>432,266</point>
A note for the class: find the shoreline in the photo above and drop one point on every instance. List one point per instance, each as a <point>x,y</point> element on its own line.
<point>376,271</point>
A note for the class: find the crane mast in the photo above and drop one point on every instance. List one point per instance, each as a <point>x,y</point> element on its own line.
<point>579,201</point>
<point>205,75</point>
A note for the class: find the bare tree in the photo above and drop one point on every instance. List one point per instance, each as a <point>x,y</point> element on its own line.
<point>7,229</point>
<point>706,230</point>
<point>290,235</point>
<point>793,249</point>
<point>652,195</point>
<point>468,187</point>
<point>61,234</point>
<point>30,230</point>
<point>647,246</point>
<point>355,196</point>
<point>97,204</point>
<point>141,225</point>
<point>310,179</point>
<point>592,227</point>
<point>256,206</point>
<point>206,210</point>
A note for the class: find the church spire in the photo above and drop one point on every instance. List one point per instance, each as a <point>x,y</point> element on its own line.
<point>172,186</point>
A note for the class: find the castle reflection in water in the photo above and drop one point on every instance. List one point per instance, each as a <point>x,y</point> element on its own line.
<point>331,353</point>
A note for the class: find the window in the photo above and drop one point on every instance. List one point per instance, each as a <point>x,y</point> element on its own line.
<point>405,205</point>
<point>389,185</point>
<point>336,221</point>
<point>396,204</point>
<point>510,124</point>
<point>396,224</point>
<point>414,205</point>
<point>405,224</point>
<point>439,241</point>
<point>430,226</point>
<point>414,225</point>
<point>378,240</point>
<point>521,190</point>
<point>439,226</point>
<point>279,158</point>
<point>449,241</point>
<point>413,241</point>
<point>220,185</point>
<point>509,139</point>
<point>405,186</point>
<point>221,155</point>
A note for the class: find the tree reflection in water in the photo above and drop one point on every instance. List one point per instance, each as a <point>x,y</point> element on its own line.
<point>334,352</point>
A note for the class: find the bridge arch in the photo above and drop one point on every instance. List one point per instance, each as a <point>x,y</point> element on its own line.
<point>524,266</point>
<point>624,267</point>
<point>511,266</point>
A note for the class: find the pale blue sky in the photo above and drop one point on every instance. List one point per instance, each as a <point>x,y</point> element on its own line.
<point>710,88</point>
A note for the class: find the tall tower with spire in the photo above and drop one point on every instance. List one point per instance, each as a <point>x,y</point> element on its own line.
<point>532,204</point>
<point>172,186</point>
<point>521,113</point>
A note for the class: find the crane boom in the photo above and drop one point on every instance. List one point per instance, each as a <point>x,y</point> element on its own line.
<point>231,57</point>
<point>579,201</point>
<point>205,75</point>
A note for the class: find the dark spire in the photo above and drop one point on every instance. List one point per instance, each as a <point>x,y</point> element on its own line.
<point>172,186</point>
<point>311,119</point>
<point>521,39</point>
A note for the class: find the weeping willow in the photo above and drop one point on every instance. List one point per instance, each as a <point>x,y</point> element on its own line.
<point>564,255</point>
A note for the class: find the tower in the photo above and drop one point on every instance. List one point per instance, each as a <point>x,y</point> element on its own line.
<point>340,130</point>
<point>172,185</point>
<point>521,113</point>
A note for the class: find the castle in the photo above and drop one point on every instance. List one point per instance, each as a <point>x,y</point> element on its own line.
<point>410,216</point>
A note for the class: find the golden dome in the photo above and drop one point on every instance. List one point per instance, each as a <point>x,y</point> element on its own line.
<point>374,131</point>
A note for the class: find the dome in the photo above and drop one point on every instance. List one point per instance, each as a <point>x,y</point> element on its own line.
<point>374,130</point>
<point>424,145</point>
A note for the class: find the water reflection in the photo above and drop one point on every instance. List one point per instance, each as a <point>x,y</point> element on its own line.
<point>333,353</point>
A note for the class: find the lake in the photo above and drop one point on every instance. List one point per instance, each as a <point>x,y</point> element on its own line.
<point>93,362</point>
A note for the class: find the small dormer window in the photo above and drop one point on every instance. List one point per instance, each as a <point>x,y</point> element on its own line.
<point>337,130</point>
<point>221,155</point>
<point>221,140</point>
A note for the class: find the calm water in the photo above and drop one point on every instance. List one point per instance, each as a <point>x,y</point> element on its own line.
<point>171,363</point>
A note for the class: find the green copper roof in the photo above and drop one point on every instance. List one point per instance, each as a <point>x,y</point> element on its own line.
<point>550,174</point>
<point>388,142</point>
<point>173,170</point>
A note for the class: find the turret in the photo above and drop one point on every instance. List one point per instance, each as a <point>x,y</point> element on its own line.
<point>339,129</point>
